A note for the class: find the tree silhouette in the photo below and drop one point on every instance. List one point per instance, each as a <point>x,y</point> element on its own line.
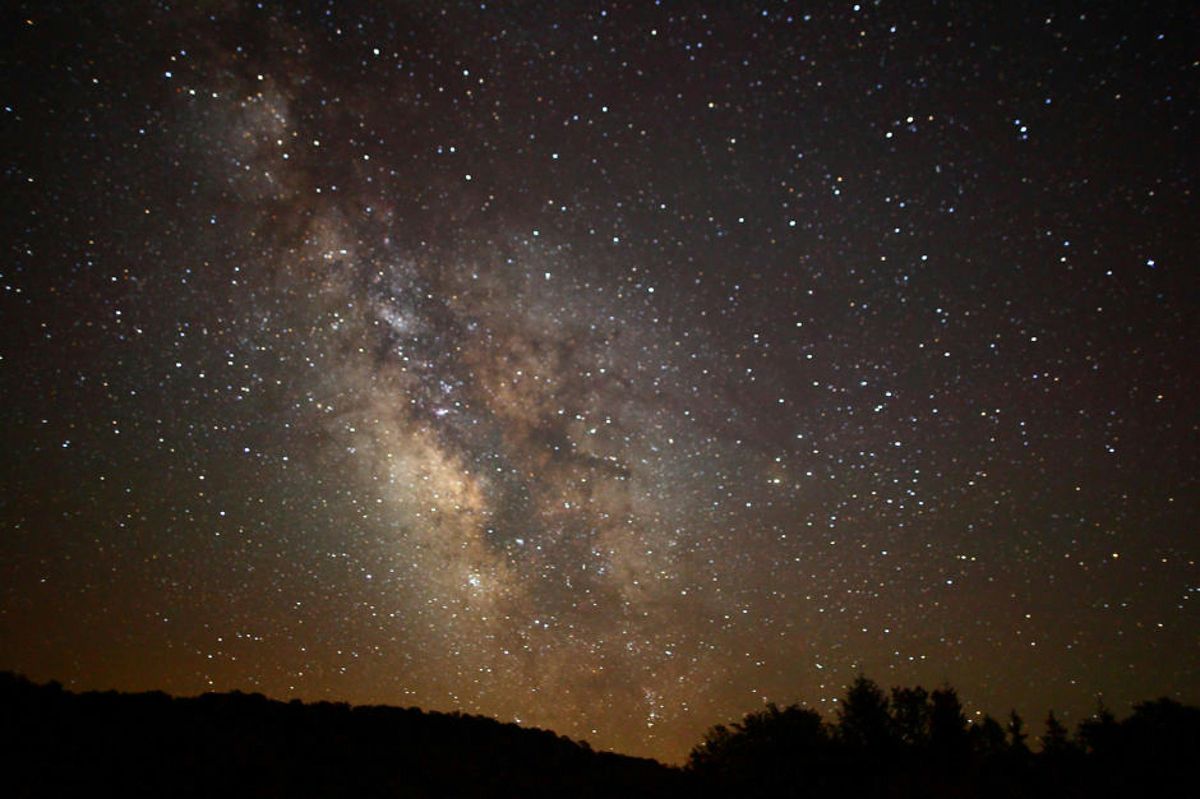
<point>1055,741</point>
<point>947,724</point>
<point>987,738</point>
<point>1100,734</point>
<point>1017,736</point>
<point>917,744</point>
<point>910,715</point>
<point>863,718</point>
<point>766,753</point>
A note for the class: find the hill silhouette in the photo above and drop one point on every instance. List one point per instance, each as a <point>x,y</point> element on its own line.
<point>907,743</point>
<point>58,743</point>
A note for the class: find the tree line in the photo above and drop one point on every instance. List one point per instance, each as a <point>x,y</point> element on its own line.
<point>911,742</point>
<point>906,742</point>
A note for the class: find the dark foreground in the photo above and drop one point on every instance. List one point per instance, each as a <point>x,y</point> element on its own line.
<point>909,743</point>
<point>56,743</point>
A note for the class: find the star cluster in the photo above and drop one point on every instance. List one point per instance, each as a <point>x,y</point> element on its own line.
<point>610,367</point>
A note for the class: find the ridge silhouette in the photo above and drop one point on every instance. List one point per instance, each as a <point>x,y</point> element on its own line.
<point>907,743</point>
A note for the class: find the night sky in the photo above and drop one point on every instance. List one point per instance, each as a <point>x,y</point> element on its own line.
<point>609,367</point>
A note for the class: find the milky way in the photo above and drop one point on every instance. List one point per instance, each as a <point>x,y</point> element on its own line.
<point>612,368</point>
